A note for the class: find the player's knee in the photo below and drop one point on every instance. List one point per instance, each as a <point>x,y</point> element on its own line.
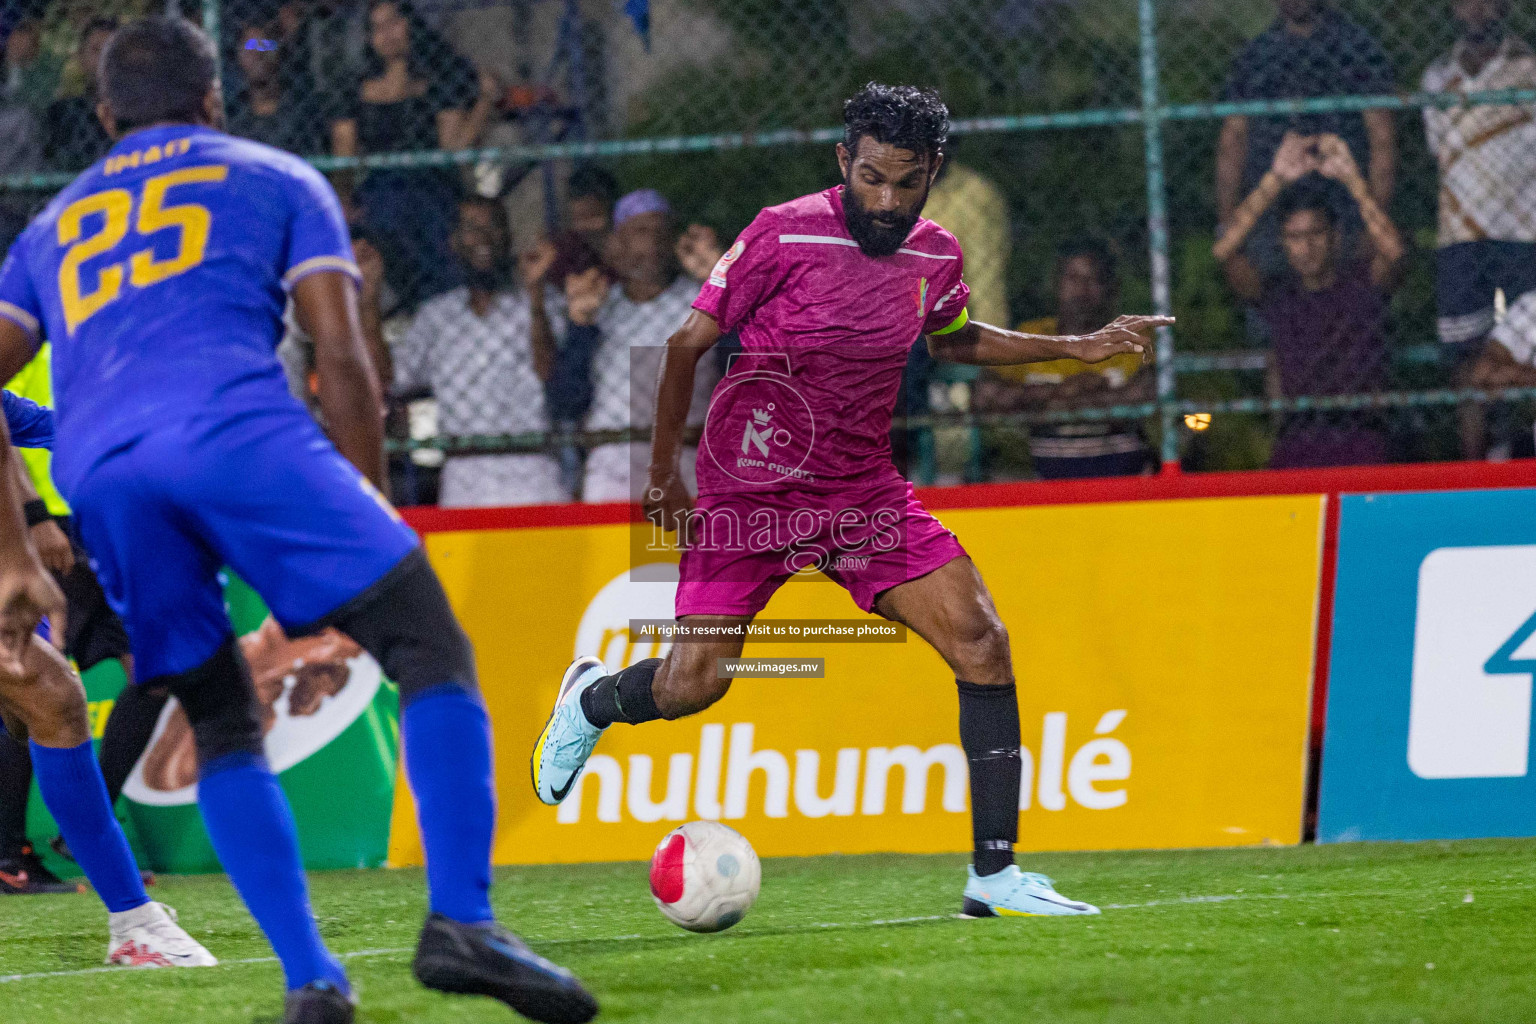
<point>982,650</point>
<point>404,621</point>
<point>53,700</point>
<point>687,685</point>
<point>220,703</point>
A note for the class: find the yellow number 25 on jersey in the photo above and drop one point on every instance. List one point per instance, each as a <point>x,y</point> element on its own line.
<point>116,209</point>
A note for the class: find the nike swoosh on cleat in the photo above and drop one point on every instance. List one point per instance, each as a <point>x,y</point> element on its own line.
<point>19,880</point>
<point>1069,904</point>
<point>559,794</point>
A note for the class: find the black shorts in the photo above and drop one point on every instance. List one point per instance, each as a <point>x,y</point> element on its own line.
<point>93,633</point>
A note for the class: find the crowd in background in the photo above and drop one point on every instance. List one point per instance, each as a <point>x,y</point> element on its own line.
<point>480,330</point>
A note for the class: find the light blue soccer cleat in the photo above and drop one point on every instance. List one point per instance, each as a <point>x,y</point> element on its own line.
<point>1014,893</point>
<point>568,738</point>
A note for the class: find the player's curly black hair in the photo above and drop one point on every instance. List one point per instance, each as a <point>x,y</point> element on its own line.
<point>903,116</point>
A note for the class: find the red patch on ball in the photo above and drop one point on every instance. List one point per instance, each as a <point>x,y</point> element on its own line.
<point>667,870</point>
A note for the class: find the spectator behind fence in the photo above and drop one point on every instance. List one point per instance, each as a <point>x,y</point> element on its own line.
<point>21,148</point>
<point>73,136</point>
<point>1487,157</point>
<point>649,302</point>
<point>268,108</point>
<point>1087,297</point>
<point>484,351</point>
<point>1326,312</point>
<point>1311,50</point>
<point>297,349</point>
<point>31,73</point>
<point>420,95</point>
<point>591,193</point>
<point>324,49</point>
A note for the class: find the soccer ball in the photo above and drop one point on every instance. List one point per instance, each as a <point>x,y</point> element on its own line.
<point>704,876</point>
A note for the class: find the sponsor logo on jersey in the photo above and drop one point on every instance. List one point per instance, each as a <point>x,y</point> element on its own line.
<point>723,267</point>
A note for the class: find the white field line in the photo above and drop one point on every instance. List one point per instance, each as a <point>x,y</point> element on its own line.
<point>6,979</point>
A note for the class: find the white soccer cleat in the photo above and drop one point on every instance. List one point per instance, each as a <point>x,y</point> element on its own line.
<point>568,738</point>
<point>1014,893</point>
<point>149,936</point>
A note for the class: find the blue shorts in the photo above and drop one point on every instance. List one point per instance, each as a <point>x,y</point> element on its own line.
<point>1466,276</point>
<point>264,493</point>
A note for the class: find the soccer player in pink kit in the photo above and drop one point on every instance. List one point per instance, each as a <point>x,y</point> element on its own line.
<point>828,294</point>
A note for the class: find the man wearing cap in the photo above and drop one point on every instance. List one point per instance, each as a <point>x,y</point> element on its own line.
<point>649,301</point>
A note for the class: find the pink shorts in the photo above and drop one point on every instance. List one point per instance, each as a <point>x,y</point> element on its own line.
<point>744,545</point>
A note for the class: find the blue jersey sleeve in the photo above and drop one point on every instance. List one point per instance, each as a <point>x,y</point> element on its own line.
<point>30,424</point>
<point>18,298</point>
<point>318,238</point>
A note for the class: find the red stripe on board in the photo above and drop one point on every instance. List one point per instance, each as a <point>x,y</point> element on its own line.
<point>1439,476</point>
<point>431,519</point>
<point>1324,640</point>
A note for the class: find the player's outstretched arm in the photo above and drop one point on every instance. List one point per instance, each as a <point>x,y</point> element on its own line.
<point>980,344</point>
<point>666,496</point>
<point>326,304</point>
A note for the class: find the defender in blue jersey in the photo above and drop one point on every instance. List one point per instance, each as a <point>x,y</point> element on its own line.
<point>160,276</point>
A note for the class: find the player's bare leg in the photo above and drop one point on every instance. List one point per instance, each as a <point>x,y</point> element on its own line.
<point>952,609</point>
<point>46,703</point>
<point>687,680</point>
<point>591,699</point>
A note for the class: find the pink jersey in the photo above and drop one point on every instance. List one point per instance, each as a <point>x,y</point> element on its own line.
<point>825,332</point>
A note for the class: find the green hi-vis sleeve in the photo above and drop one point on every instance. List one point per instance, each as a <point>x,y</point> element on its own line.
<point>958,322</point>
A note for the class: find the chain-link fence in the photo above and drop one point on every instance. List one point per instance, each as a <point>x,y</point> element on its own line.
<point>1338,201</point>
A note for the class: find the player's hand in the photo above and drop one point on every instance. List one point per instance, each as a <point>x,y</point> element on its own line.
<point>667,499</point>
<point>585,294</point>
<point>534,264</point>
<point>1125,334</point>
<point>1296,158</point>
<point>698,250</point>
<point>27,593</point>
<point>53,547</point>
<point>1335,159</point>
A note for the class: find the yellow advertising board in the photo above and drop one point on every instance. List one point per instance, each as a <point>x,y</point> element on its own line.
<point>1163,652</point>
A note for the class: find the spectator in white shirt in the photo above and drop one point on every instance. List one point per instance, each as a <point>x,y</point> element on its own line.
<point>484,351</point>
<point>1487,236</point>
<point>649,301</point>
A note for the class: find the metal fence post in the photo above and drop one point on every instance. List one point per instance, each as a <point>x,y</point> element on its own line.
<point>1157,228</point>
<point>216,33</point>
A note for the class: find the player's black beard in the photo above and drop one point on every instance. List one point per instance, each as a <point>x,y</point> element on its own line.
<point>882,236</point>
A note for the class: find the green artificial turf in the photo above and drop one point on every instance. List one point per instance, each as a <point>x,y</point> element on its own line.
<point>1363,933</point>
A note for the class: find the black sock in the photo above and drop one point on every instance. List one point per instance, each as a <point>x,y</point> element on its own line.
<point>15,784</point>
<point>624,696</point>
<point>989,732</point>
<point>128,732</point>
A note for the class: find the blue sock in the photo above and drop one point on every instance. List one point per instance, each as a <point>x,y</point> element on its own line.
<point>251,826</point>
<point>76,796</point>
<point>447,737</point>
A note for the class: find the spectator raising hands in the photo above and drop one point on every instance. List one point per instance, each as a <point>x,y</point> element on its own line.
<point>1325,310</point>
